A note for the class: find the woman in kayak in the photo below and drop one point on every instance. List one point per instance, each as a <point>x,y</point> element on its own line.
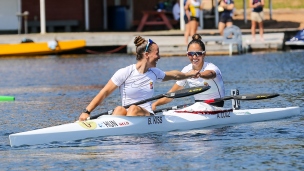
<point>210,75</point>
<point>136,82</point>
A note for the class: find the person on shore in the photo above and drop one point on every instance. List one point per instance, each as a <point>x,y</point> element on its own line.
<point>187,29</point>
<point>136,82</point>
<point>176,10</point>
<point>176,13</point>
<point>226,15</point>
<point>257,16</point>
<point>160,6</point>
<point>210,75</point>
<point>192,13</point>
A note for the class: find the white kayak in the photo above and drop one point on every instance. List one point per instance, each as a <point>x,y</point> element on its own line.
<point>198,115</point>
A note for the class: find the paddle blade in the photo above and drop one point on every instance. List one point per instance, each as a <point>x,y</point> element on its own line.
<point>255,96</point>
<point>187,92</point>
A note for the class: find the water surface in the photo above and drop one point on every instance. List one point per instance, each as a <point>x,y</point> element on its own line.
<point>52,90</point>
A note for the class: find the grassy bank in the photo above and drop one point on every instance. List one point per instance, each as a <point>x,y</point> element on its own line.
<point>276,4</point>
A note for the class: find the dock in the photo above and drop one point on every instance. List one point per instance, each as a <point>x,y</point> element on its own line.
<point>171,42</point>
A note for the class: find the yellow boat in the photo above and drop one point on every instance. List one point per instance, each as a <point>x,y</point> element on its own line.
<point>40,48</point>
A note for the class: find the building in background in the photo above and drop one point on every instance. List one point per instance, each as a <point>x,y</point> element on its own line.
<point>78,15</point>
<point>8,15</point>
<point>90,15</point>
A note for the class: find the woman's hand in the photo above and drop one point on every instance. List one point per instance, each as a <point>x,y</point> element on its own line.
<point>194,74</point>
<point>83,116</point>
<point>208,74</point>
<point>153,106</point>
<point>257,4</point>
<point>223,4</point>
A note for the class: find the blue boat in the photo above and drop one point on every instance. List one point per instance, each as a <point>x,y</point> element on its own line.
<point>297,40</point>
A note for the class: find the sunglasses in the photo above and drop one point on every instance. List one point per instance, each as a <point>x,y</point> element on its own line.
<point>150,42</point>
<point>199,53</point>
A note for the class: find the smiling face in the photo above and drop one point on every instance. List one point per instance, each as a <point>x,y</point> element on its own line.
<point>153,56</point>
<point>196,60</point>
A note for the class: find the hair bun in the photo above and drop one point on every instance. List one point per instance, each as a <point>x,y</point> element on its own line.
<point>196,37</point>
<point>138,41</point>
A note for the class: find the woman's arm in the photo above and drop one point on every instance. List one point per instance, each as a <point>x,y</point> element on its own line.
<point>177,75</point>
<point>166,100</point>
<point>227,6</point>
<point>251,4</point>
<point>257,4</point>
<point>262,3</point>
<point>202,5</point>
<point>230,7</point>
<point>187,9</point>
<point>208,74</point>
<point>187,5</point>
<point>105,92</point>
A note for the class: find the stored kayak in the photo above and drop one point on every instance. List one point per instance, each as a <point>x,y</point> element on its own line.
<point>198,115</point>
<point>40,48</point>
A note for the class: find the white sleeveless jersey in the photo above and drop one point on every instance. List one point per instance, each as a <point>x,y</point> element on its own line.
<point>135,86</point>
<point>217,89</point>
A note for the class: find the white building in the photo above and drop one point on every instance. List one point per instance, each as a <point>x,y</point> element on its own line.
<point>8,14</point>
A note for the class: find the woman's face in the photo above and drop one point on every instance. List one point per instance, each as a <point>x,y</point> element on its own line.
<point>153,55</point>
<point>196,56</point>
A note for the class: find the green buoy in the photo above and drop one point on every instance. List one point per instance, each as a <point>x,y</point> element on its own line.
<point>7,98</point>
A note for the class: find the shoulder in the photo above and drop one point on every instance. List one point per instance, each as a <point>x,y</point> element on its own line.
<point>210,66</point>
<point>122,74</point>
<point>156,70</point>
<point>125,71</point>
<point>187,68</point>
<point>127,68</point>
<point>160,74</point>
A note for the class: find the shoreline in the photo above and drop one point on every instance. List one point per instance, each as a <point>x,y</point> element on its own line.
<point>284,24</point>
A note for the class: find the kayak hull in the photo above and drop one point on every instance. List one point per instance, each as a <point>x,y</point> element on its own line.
<point>123,125</point>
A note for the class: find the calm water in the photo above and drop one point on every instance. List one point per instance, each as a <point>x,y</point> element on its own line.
<point>53,90</point>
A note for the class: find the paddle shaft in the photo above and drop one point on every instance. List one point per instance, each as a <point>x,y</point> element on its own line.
<point>172,108</point>
<point>176,94</point>
<point>210,101</point>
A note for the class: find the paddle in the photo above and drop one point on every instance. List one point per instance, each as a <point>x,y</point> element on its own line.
<point>239,97</point>
<point>243,97</point>
<point>172,108</point>
<point>175,94</point>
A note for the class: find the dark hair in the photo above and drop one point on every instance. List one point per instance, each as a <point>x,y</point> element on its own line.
<point>140,44</point>
<point>196,38</point>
